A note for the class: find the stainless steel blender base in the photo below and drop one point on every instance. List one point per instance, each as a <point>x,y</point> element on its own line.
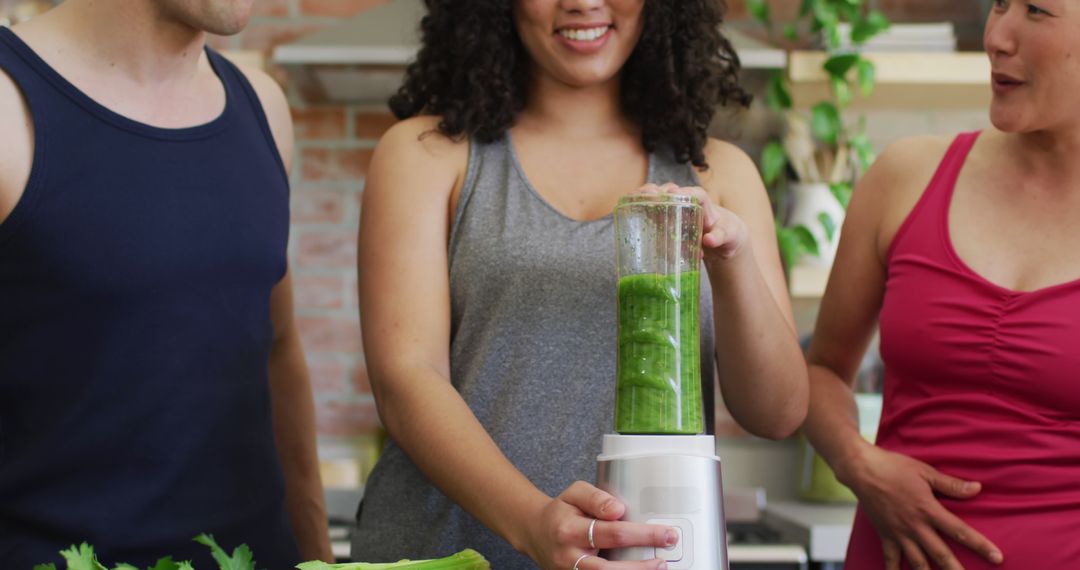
<point>664,481</point>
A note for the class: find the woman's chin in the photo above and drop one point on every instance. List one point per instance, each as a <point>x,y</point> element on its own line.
<point>1007,120</point>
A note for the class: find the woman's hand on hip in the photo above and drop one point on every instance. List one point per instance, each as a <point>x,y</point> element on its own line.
<point>897,493</point>
<point>559,537</point>
<point>723,234</point>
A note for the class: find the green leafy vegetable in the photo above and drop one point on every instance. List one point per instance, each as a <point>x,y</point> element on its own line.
<point>241,558</point>
<point>467,559</point>
<point>82,558</point>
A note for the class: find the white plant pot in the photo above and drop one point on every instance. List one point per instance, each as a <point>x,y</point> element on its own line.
<point>810,201</point>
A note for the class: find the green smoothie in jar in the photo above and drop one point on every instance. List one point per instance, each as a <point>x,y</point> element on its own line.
<point>658,388</point>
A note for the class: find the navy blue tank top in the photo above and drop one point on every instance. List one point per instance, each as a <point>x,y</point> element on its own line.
<point>135,280</point>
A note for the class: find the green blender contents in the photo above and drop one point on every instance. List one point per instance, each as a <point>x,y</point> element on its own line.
<point>658,388</point>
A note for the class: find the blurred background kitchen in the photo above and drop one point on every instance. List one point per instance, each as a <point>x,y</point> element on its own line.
<point>339,60</point>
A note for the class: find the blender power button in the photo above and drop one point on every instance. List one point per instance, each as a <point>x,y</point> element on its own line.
<point>682,549</point>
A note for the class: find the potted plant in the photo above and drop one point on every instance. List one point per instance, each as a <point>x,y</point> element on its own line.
<point>813,167</point>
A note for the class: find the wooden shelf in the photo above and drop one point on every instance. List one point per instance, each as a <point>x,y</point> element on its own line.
<point>937,80</point>
<point>387,35</point>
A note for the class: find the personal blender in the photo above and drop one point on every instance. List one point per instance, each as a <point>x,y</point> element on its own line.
<point>660,463</point>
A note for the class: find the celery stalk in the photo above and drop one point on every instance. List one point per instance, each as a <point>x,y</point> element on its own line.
<point>467,559</point>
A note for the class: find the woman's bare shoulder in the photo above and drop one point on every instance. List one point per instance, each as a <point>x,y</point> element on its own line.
<point>414,159</point>
<point>730,170</point>
<point>723,156</point>
<point>909,155</point>
<point>420,135</point>
<point>904,169</point>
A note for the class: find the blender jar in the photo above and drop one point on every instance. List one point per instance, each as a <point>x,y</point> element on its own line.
<point>658,252</point>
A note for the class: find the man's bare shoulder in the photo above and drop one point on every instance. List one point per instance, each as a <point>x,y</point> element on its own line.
<point>17,132</point>
<point>275,107</point>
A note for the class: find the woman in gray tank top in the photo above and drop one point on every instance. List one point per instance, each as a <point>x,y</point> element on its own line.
<point>487,278</point>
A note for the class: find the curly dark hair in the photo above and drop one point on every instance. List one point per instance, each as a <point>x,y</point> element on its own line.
<point>472,70</point>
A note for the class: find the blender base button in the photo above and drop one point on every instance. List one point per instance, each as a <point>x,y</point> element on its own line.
<point>682,551</point>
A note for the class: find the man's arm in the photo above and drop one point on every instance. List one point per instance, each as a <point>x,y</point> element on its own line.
<point>290,385</point>
<point>294,429</point>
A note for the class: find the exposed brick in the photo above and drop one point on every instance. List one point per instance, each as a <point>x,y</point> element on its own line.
<point>270,8</point>
<point>372,124</point>
<point>736,10</point>
<point>329,334</point>
<point>360,381</point>
<point>334,164</point>
<point>780,10</point>
<point>931,10</point>
<point>318,163</point>
<point>316,123</point>
<point>340,418</point>
<point>897,10</point>
<point>352,293</point>
<point>336,8</point>
<point>266,36</point>
<point>327,374</point>
<point>319,291</point>
<point>330,249</point>
<point>317,206</point>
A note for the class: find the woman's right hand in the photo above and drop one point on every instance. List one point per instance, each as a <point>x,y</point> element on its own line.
<point>560,535</point>
<point>897,493</point>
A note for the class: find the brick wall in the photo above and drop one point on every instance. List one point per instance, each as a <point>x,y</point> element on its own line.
<point>333,149</point>
<point>966,15</point>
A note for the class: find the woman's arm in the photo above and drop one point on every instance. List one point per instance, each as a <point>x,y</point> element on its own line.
<point>761,368</point>
<point>895,491</point>
<point>405,308</point>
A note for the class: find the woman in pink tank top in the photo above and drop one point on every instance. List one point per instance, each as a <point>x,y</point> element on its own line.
<point>965,253</point>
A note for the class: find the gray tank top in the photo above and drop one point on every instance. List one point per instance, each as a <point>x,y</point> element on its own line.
<point>532,352</point>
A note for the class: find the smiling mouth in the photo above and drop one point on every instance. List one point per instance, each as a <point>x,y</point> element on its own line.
<point>584,34</point>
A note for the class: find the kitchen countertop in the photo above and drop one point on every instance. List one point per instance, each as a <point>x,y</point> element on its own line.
<point>822,528</point>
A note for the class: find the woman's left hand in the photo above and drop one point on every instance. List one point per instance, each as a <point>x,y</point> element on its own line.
<point>723,234</point>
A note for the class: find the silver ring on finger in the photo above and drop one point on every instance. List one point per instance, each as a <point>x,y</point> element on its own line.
<point>592,525</point>
<point>578,561</point>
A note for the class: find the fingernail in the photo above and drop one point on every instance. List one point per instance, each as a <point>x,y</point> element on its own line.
<point>604,507</point>
<point>996,557</point>
<point>672,537</point>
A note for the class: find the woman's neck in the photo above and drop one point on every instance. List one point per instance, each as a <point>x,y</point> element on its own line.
<point>1050,153</point>
<point>577,112</point>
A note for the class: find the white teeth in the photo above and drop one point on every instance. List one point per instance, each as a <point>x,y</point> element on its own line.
<point>584,35</point>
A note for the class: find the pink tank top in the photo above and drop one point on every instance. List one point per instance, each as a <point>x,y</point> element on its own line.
<point>982,383</point>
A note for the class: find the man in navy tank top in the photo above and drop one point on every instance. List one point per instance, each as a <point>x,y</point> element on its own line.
<point>152,383</point>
